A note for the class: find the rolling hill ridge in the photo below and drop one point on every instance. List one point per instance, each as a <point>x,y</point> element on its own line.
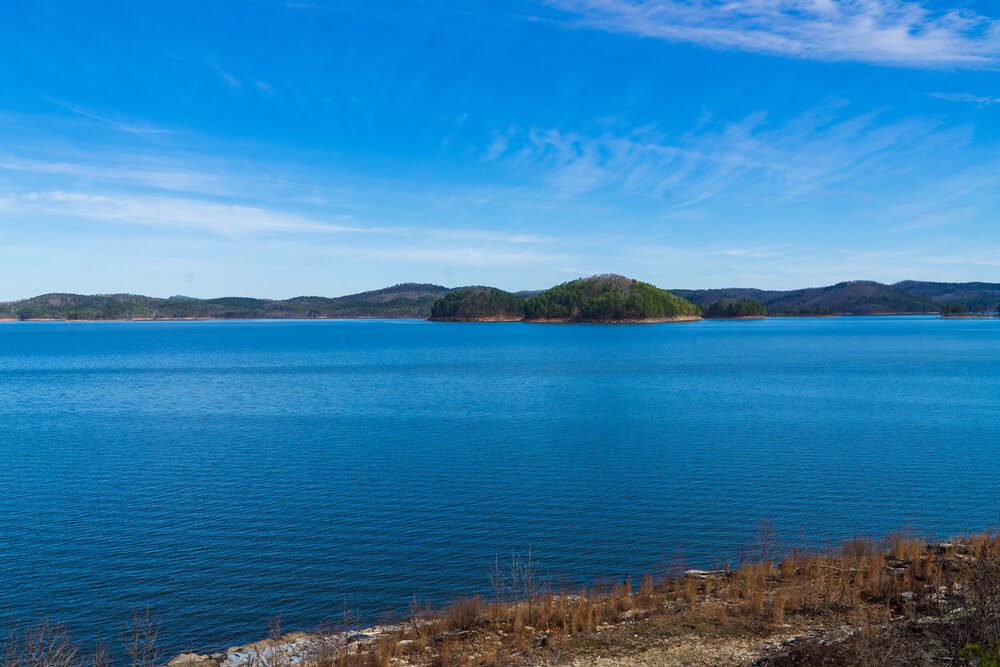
<point>404,300</point>
<point>415,300</point>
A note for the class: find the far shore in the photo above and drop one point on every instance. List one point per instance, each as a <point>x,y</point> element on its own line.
<point>566,320</point>
<point>211,319</point>
<point>655,320</point>
<point>667,320</point>
<point>474,319</point>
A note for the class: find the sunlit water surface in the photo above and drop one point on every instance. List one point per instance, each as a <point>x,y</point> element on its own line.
<point>224,473</point>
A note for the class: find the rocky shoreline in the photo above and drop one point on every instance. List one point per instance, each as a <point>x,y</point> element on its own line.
<point>912,603</point>
<point>294,648</point>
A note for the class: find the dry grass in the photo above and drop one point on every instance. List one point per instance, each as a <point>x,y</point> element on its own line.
<point>48,644</point>
<point>863,585</point>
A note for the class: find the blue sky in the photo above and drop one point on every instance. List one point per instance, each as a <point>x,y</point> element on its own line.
<point>273,148</point>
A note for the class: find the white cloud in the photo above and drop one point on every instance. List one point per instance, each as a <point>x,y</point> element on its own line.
<point>229,219</point>
<point>758,252</point>
<point>901,33</point>
<point>981,100</point>
<point>134,172</point>
<point>441,256</point>
<point>226,219</point>
<point>484,235</point>
<point>116,124</point>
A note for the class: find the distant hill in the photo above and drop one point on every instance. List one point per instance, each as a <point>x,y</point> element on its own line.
<point>859,297</point>
<point>976,297</point>
<point>404,300</point>
<point>607,298</point>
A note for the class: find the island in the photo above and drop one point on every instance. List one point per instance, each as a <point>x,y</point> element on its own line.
<point>606,298</point>
<point>740,309</point>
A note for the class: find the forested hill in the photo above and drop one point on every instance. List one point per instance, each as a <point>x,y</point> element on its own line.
<point>478,304</point>
<point>405,300</point>
<point>860,297</point>
<point>603,298</point>
<point>607,298</point>
<point>973,296</point>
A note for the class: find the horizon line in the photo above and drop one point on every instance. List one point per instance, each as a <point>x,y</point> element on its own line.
<point>386,287</point>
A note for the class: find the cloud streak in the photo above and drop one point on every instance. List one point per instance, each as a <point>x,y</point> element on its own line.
<point>901,33</point>
<point>981,100</point>
<point>142,130</point>
<point>160,211</point>
<point>751,161</point>
<point>232,220</point>
<point>142,173</point>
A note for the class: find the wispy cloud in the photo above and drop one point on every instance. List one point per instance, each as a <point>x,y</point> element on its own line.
<point>115,123</point>
<point>127,184</point>
<point>758,252</point>
<point>981,100</point>
<point>231,219</point>
<point>963,195</point>
<point>463,255</point>
<point>904,33</point>
<point>160,211</point>
<point>484,235</point>
<point>752,161</point>
<point>132,172</point>
<point>230,79</point>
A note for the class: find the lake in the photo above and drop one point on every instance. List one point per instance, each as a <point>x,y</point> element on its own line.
<point>225,473</point>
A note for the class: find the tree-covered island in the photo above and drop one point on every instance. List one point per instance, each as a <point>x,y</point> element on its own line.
<point>603,298</point>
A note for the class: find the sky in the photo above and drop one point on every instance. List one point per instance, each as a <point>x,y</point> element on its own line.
<point>270,148</point>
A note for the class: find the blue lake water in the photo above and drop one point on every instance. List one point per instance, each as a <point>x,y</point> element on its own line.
<point>224,473</point>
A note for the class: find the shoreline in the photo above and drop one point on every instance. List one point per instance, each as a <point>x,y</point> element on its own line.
<point>474,319</point>
<point>6,320</point>
<point>908,314</point>
<point>772,605</point>
<point>655,320</point>
<point>419,319</point>
<point>216,319</point>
